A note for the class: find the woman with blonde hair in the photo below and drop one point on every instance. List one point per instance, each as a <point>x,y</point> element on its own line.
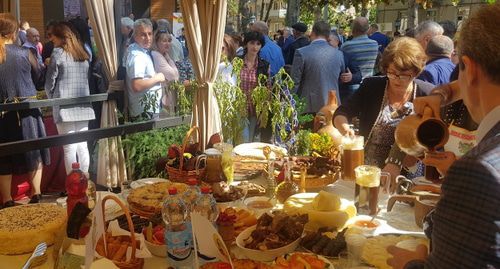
<point>382,102</point>
<point>164,64</point>
<point>18,72</point>
<point>229,47</point>
<point>67,76</point>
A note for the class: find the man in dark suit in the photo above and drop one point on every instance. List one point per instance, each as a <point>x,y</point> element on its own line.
<point>316,68</point>
<point>466,222</point>
<point>301,40</point>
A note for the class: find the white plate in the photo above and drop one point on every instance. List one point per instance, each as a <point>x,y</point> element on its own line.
<point>144,181</point>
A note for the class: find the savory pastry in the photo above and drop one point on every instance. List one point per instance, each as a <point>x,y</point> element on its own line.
<point>23,227</point>
<point>148,199</point>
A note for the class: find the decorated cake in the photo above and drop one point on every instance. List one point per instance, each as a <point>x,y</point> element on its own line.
<point>23,227</point>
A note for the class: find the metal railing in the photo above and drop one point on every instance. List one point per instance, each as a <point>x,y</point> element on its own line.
<point>22,146</point>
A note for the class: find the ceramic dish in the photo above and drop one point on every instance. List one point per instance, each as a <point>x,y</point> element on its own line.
<point>263,255</point>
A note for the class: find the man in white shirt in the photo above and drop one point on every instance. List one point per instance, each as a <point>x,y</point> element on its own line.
<point>143,83</point>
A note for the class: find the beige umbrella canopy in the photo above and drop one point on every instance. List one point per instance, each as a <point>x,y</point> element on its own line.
<point>111,169</point>
<point>204,22</point>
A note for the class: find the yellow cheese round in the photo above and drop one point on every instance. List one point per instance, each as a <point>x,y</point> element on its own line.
<point>302,203</point>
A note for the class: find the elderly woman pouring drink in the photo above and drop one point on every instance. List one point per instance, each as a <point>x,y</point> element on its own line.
<point>381,102</point>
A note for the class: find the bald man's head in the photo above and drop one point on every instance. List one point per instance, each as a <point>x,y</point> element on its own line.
<point>32,35</point>
<point>360,26</point>
<point>261,27</point>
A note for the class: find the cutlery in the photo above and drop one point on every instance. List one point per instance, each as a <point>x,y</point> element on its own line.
<point>38,252</point>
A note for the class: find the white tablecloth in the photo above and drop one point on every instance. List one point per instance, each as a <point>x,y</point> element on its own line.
<point>399,221</point>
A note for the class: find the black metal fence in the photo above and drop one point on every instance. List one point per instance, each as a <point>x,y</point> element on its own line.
<point>11,148</point>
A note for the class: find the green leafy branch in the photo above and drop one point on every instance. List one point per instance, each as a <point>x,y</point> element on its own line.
<point>232,105</point>
<point>275,103</point>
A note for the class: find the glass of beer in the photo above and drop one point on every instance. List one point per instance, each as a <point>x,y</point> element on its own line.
<point>353,155</point>
<point>368,187</point>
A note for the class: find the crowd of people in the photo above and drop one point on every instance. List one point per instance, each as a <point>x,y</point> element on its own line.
<point>378,80</point>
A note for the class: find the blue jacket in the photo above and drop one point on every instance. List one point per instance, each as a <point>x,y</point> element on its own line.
<point>381,39</point>
<point>437,71</point>
<point>273,55</point>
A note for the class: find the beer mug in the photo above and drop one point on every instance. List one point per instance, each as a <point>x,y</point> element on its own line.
<point>368,183</point>
<point>353,155</point>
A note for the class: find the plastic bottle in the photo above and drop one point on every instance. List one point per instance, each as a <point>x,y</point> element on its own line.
<point>76,187</point>
<point>177,235</point>
<point>206,205</point>
<point>191,194</point>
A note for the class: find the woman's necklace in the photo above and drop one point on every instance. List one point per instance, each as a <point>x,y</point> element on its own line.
<point>396,105</point>
<point>385,100</point>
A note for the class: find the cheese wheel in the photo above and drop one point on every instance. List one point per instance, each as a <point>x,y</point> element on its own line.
<point>326,201</point>
<point>302,203</point>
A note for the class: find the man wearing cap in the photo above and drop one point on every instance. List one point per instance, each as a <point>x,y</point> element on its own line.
<point>439,66</point>
<point>301,40</point>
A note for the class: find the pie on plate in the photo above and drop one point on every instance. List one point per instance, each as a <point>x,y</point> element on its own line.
<point>147,200</point>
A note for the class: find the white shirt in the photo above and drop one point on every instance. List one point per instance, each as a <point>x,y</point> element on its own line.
<point>140,65</point>
<point>488,122</point>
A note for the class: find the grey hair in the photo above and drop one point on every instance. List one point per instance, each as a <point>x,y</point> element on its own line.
<point>430,27</point>
<point>142,22</point>
<point>32,30</point>
<point>127,22</point>
<point>163,24</point>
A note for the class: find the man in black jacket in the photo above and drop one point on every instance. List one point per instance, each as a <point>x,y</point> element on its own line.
<point>301,40</point>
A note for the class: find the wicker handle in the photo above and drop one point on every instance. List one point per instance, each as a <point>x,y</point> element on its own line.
<point>129,220</point>
<point>184,144</point>
<point>199,160</point>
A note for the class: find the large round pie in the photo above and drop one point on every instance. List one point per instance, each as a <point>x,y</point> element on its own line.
<point>23,227</point>
<point>147,200</point>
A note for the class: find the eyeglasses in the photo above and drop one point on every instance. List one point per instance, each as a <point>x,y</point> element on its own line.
<point>163,31</point>
<point>400,77</point>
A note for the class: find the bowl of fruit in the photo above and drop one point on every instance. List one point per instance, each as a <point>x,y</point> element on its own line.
<point>155,240</point>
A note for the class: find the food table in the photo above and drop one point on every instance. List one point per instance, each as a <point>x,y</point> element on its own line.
<point>399,221</point>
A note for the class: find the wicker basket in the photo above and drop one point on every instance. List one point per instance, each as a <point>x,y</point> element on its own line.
<point>180,175</point>
<point>315,182</point>
<point>134,262</point>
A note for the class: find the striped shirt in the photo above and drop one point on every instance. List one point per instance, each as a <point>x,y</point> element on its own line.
<point>362,52</point>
